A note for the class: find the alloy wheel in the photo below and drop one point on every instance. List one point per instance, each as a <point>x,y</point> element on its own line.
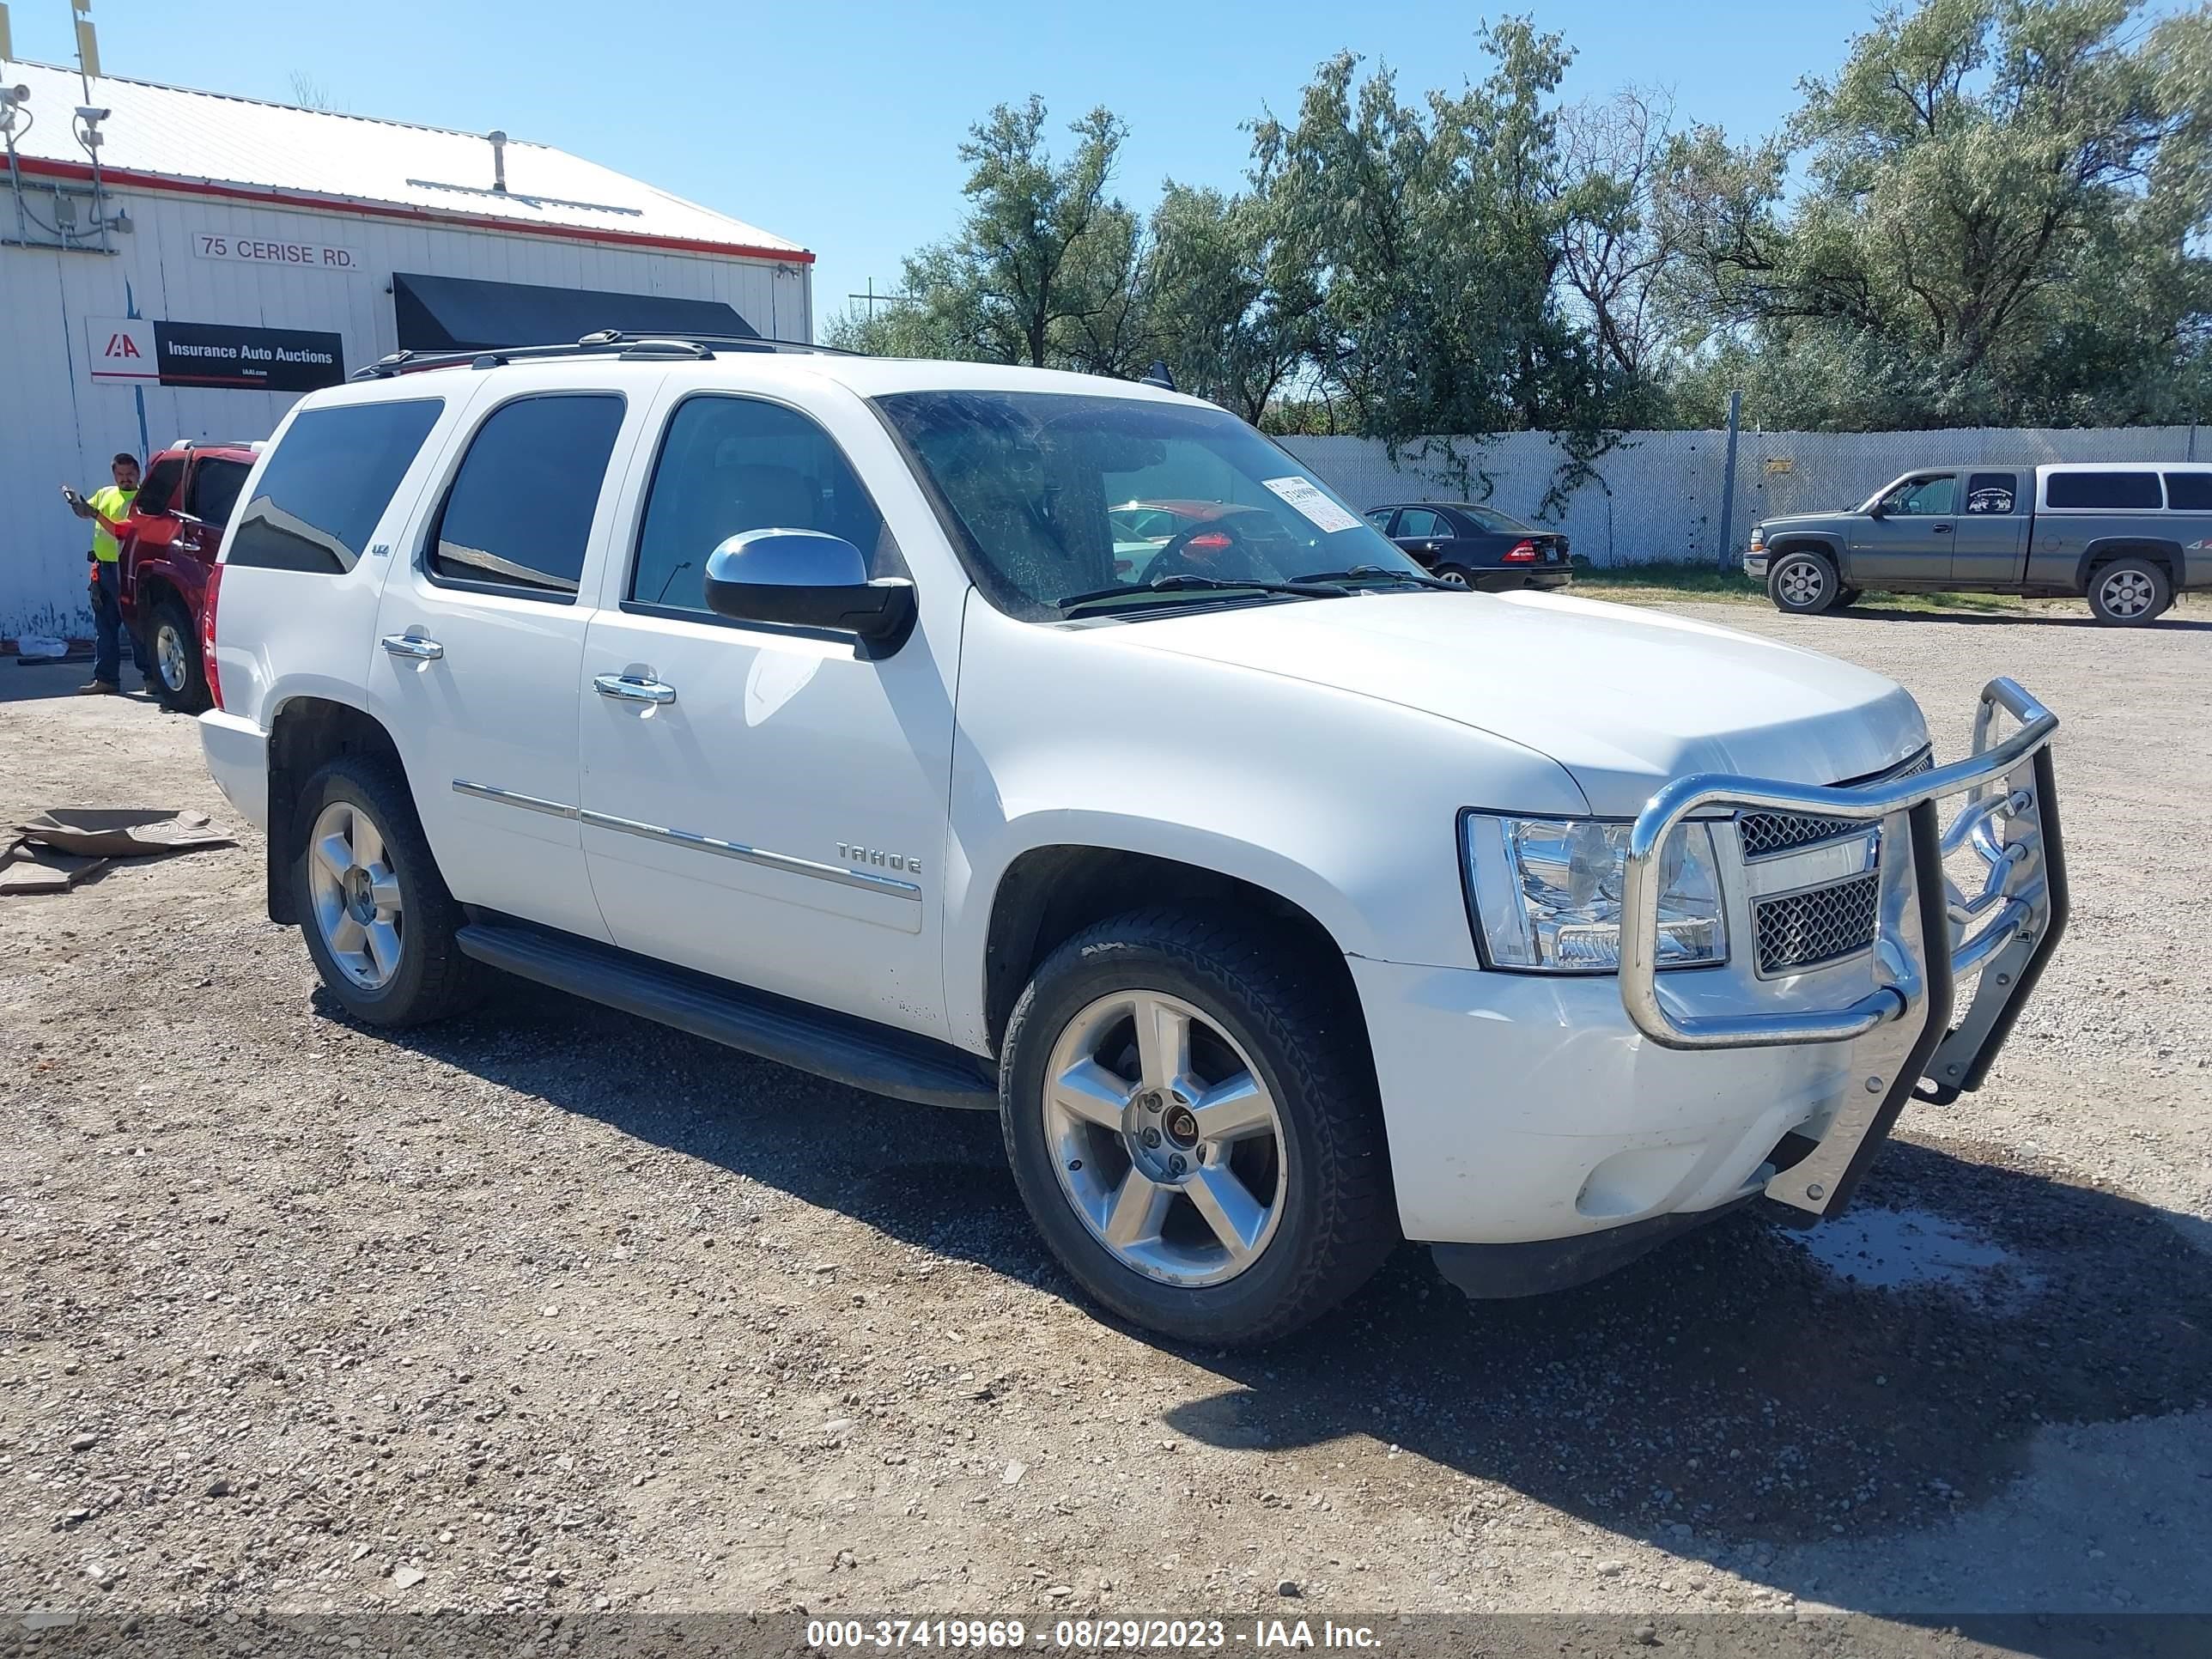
<point>356,893</point>
<point>2126,593</point>
<point>1452,577</point>
<point>1802,582</point>
<point>1166,1140</point>
<point>169,657</point>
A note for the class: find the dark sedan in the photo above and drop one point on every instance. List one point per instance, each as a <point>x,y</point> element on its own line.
<point>1473,546</point>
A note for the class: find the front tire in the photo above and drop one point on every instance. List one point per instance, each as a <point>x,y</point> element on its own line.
<point>2128,592</point>
<point>1803,583</point>
<point>373,908</point>
<point>1194,1127</point>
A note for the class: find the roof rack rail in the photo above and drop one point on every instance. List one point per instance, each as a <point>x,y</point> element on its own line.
<point>607,342</point>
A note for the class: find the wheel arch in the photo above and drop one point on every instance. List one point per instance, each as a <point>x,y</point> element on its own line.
<point>304,731</point>
<point>1049,893</point>
<point>1828,547</point>
<point>2166,555</point>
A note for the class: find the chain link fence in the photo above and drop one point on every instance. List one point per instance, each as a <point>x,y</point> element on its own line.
<point>1656,497</point>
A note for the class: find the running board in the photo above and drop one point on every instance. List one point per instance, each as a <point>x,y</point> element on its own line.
<point>853,1052</point>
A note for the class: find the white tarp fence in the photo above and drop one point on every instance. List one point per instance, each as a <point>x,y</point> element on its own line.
<point>1657,496</point>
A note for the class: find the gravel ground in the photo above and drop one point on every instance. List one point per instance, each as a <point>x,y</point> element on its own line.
<point>552,1311</point>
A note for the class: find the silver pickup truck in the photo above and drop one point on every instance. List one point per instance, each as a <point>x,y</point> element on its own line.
<point>2127,536</point>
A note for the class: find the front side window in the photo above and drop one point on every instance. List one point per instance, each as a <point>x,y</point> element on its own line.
<point>732,465</point>
<point>518,516</point>
<point>1380,517</point>
<point>1419,521</point>
<point>1036,486</point>
<point>1922,498</point>
<point>159,492</point>
<point>1991,493</point>
<point>2104,489</point>
<point>214,489</point>
<point>332,476</point>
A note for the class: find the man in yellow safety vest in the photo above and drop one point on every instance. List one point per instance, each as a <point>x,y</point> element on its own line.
<point>107,508</point>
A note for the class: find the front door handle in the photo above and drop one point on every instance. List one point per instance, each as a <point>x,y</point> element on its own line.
<point>628,690</point>
<point>1939,530</point>
<point>413,647</point>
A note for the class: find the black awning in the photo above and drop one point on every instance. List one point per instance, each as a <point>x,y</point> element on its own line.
<point>457,313</point>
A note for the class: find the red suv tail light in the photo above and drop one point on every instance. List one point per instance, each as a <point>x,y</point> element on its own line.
<point>1521,553</point>
<point>1214,541</point>
<point>207,635</point>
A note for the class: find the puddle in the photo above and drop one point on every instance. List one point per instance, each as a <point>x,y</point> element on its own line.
<point>1911,1250</point>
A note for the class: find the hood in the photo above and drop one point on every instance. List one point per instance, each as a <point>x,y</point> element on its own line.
<point>1807,520</point>
<point>1624,698</point>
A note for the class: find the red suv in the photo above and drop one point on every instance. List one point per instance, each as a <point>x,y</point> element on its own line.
<point>176,529</point>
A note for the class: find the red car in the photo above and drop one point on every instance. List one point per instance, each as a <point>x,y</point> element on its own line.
<point>176,527</point>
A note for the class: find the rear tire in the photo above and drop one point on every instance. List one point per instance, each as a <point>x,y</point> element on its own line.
<point>373,908</point>
<point>173,648</point>
<point>1226,1185</point>
<point>1803,583</point>
<point>2128,592</point>
<point>1453,575</point>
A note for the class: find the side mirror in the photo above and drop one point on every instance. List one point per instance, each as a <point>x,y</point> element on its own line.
<point>804,579</point>
<point>1877,511</point>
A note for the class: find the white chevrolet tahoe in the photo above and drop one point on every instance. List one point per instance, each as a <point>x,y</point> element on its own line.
<point>1282,901</point>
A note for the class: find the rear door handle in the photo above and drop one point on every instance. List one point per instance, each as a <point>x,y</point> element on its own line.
<point>627,690</point>
<point>1939,530</point>
<point>414,647</point>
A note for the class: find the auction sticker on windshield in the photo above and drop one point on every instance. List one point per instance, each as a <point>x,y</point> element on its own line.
<point>1305,495</point>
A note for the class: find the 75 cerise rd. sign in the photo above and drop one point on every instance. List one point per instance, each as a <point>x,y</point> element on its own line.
<point>267,251</point>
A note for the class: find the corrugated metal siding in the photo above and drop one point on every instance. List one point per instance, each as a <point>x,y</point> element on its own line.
<point>1657,496</point>
<point>56,426</point>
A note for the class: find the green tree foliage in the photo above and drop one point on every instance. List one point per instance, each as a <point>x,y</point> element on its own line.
<point>2003,223</point>
<point>1995,211</point>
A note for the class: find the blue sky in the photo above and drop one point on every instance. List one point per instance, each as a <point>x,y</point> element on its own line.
<point>837,125</point>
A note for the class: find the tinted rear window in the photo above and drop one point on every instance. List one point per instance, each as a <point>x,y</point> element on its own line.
<point>216,484</point>
<point>518,516</point>
<point>2103,490</point>
<point>328,483</point>
<point>2189,492</point>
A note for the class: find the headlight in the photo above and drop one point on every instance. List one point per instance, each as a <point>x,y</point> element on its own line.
<point>1759,539</point>
<point>1547,894</point>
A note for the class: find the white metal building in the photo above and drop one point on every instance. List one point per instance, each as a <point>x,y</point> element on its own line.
<point>182,265</point>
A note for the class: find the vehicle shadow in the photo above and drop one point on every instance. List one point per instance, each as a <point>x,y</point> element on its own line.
<point>1732,1398</point>
<point>2170,622</point>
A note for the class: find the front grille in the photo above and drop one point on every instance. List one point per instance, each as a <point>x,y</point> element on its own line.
<point>1766,834</point>
<point>1801,930</point>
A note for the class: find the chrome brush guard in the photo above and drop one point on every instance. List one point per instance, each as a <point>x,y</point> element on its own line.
<point>1930,936</point>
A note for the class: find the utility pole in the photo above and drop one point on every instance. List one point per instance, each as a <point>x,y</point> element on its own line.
<point>872,299</point>
<point>1728,557</point>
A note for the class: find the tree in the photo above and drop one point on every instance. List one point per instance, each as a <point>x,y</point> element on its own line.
<point>2003,222</point>
<point>1228,312</point>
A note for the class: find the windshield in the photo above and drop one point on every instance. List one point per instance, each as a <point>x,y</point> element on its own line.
<point>1058,498</point>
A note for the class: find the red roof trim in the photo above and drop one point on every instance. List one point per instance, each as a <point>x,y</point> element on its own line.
<point>123,176</point>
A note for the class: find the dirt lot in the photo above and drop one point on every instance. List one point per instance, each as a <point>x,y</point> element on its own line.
<point>553,1309</point>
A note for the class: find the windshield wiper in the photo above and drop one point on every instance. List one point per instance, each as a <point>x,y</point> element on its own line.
<point>1359,572</point>
<point>1191,581</point>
